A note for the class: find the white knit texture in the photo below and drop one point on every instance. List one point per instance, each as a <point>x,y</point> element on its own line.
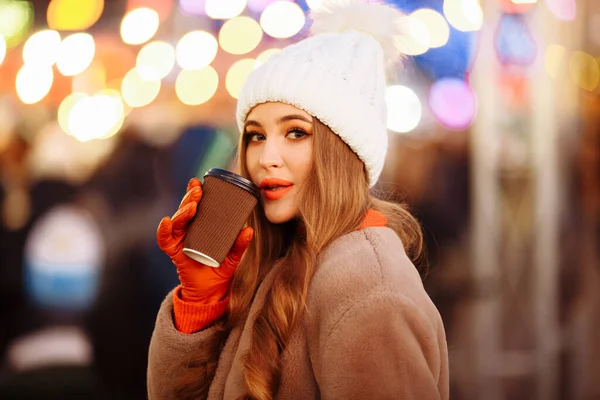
<point>337,77</point>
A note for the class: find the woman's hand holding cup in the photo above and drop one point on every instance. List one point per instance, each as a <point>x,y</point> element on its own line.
<point>199,283</point>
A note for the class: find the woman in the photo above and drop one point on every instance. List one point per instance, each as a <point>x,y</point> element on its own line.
<point>318,297</point>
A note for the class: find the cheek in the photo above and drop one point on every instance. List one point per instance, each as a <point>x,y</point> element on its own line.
<point>252,161</point>
<point>303,162</point>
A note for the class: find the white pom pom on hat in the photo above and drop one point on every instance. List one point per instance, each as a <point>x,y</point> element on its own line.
<point>337,75</point>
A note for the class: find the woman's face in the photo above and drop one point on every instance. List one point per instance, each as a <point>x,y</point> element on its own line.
<point>279,156</point>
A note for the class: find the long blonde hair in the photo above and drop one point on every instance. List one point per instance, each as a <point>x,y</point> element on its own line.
<point>332,203</point>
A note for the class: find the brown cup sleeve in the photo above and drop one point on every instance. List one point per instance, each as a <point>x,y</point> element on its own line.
<point>222,212</point>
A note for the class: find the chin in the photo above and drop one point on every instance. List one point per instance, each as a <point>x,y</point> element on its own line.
<point>279,215</point>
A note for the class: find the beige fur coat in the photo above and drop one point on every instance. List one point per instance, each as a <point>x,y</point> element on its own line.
<point>370,332</point>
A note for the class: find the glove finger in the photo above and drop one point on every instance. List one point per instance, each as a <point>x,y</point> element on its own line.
<point>163,233</point>
<point>194,182</point>
<point>181,219</point>
<point>237,251</point>
<point>191,196</point>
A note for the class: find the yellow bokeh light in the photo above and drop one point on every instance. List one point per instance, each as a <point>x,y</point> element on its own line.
<point>282,19</point>
<point>416,39</point>
<point>96,117</point>
<point>74,15</point>
<point>34,82</point>
<point>224,9</point>
<point>16,18</point>
<point>155,60</point>
<point>76,53</point>
<point>195,87</point>
<point>584,70</point>
<point>2,48</point>
<point>42,48</point>
<point>64,109</point>
<point>138,92</point>
<point>196,50</point>
<point>91,80</point>
<point>405,109</point>
<point>464,15</point>
<point>114,112</point>
<point>237,75</point>
<point>116,85</point>
<point>553,59</point>
<point>240,35</point>
<point>439,31</point>
<point>139,25</point>
<point>265,55</point>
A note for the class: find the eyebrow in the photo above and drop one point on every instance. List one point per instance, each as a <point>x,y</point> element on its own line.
<point>285,118</point>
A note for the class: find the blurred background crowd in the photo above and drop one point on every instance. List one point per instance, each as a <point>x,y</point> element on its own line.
<point>109,107</point>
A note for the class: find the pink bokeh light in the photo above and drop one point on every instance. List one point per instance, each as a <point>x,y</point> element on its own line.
<point>193,7</point>
<point>564,10</point>
<point>258,5</point>
<point>453,103</point>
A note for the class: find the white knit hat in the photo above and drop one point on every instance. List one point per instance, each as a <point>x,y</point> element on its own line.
<point>337,75</point>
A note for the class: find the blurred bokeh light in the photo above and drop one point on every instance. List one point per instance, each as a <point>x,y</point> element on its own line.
<point>139,25</point>
<point>258,5</point>
<point>2,48</point>
<point>155,60</point>
<point>584,70</point>
<point>564,10</point>
<point>96,117</point>
<point>73,15</point>
<point>237,75</point>
<point>464,15</point>
<point>64,254</point>
<point>197,86</point>
<point>282,19</point>
<point>196,50</point>
<point>16,18</point>
<point>240,35</point>
<point>436,24</point>
<point>193,7</point>
<point>42,48</point>
<point>138,91</point>
<point>453,103</point>
<point>404,109</point>
<point>76,53</point>
<point>554,58</point>
<point>219,9</point>
<point>34,82</point>
<point>417,38</point>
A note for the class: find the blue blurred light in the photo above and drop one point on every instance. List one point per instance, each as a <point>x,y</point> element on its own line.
<point>303,5</point>
<point>514,42</point>
<point>62,287</point>
<point>452,60</point>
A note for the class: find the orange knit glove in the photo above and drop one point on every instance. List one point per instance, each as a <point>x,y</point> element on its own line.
<point>200,283</point>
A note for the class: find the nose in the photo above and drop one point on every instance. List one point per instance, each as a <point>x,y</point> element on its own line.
<point>271,155</point>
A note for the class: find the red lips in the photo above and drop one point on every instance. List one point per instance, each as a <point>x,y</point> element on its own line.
<point>275,188</point>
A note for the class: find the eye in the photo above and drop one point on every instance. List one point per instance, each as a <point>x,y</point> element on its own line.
<point>253,136</point>
<point>297,133</point>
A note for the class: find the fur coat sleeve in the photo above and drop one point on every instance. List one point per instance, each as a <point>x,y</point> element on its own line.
<point>379,336</point>
<point>169,353</point>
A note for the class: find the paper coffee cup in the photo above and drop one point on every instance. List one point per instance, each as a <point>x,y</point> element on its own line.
<point>227,201</point>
